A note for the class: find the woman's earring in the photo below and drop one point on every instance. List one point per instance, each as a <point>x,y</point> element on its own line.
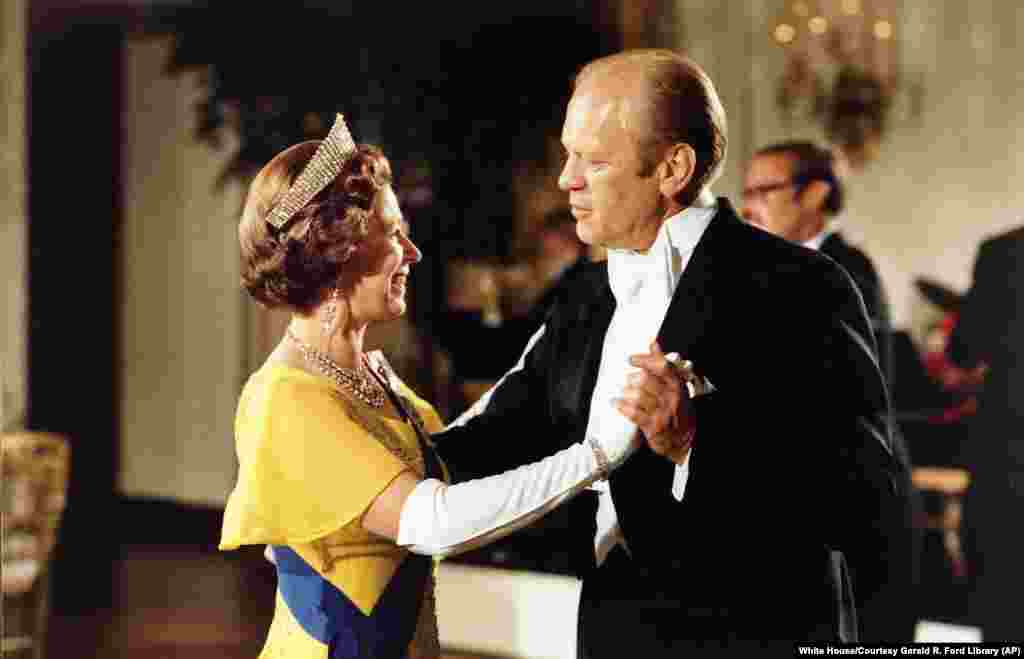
<point>330,313</point>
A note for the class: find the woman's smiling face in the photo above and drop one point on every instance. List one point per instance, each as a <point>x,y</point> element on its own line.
<point>388,254</point>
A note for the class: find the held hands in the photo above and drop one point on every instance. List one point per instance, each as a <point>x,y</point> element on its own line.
<point>658,398</point>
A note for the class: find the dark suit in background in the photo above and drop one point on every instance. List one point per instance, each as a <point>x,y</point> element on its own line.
<point>991,330</point>
<point>863,272</point>
<point>890,612</point>
<point>789,474</point>
<point>556,290</point>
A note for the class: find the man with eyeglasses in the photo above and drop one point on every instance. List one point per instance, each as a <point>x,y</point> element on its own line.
<point>791,190</point>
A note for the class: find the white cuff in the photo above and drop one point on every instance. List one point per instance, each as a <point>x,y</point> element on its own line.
<point>682,474</point>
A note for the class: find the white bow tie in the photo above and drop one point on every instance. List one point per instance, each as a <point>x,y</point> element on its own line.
<point>631,274</point>
<point>653,275</point>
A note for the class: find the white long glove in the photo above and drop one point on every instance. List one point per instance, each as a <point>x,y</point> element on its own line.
<point>441,520</point>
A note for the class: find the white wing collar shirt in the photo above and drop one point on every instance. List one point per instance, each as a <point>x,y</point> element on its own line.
<point>642,284</point>
<point>818,240</point>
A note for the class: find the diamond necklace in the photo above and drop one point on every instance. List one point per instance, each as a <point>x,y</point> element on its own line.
<point>358,382</point>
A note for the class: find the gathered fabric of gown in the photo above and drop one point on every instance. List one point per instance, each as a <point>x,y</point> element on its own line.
<point>312,458</point>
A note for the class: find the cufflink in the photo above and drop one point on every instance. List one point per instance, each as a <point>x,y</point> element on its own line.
<point>603,468</point>
<point>683,371</point>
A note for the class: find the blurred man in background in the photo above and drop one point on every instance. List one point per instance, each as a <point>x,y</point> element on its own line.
<point>792,190</point>
<point>561,256</point>
<point>990,331</point>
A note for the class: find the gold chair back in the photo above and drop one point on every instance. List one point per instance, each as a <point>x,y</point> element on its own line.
<point>944,489</point>
<point>34,489</point>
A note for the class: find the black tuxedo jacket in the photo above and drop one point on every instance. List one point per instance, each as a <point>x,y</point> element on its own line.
<point>791,464</point>
<point>990,329</point>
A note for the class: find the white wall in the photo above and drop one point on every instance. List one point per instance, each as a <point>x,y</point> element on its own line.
<point>182,319</point>
<point>13,221</point>
<point>945,179</point>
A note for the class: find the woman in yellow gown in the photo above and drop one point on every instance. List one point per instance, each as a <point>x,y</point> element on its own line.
<point>336,470</point>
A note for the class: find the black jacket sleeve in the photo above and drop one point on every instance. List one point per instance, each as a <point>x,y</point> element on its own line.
<point>508,426</point>
<point>973,336</point>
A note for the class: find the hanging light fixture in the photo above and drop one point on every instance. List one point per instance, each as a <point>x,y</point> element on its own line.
<point>841,70</point>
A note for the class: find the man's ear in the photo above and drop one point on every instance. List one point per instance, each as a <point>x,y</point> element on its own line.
<point>677,169</point>
<point>814,194</point>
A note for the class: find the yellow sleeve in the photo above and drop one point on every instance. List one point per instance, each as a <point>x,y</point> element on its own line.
<point>306,468</point>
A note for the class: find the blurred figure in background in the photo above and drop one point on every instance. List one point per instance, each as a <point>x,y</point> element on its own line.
<point>493,309</point>
<point>472,331</point>
<point>561,256</point>
<point>933,399</point>
<point>960,383</point>
<point>990,331</point>
<point>792,190</point>
<point>952,378</point>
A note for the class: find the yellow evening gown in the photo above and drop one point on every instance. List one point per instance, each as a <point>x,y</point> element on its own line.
<point>312,458</point>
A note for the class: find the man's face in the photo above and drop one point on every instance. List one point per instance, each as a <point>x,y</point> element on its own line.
<point>616,202</point>
<point>771,199</point>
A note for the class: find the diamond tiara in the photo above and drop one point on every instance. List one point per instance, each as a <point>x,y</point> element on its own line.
<point>328,161</point>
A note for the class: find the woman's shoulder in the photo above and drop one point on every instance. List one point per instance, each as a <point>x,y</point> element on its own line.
<point>280,378</point>
<point>277,383</point>
<point>279,397</point>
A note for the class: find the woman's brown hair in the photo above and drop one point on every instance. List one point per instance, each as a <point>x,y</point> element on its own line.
<point>294,268</point>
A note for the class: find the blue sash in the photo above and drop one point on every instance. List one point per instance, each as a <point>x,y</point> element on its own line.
<point>329,616</point>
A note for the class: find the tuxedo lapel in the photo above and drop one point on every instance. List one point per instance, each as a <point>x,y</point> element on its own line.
<point>593,322</point>
<point>690,312</point>
<point>687,321</point>
<point>596,321</point>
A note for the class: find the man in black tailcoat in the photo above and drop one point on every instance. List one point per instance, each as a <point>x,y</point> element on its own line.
<point>990,331</point>
<point>733,525</point>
